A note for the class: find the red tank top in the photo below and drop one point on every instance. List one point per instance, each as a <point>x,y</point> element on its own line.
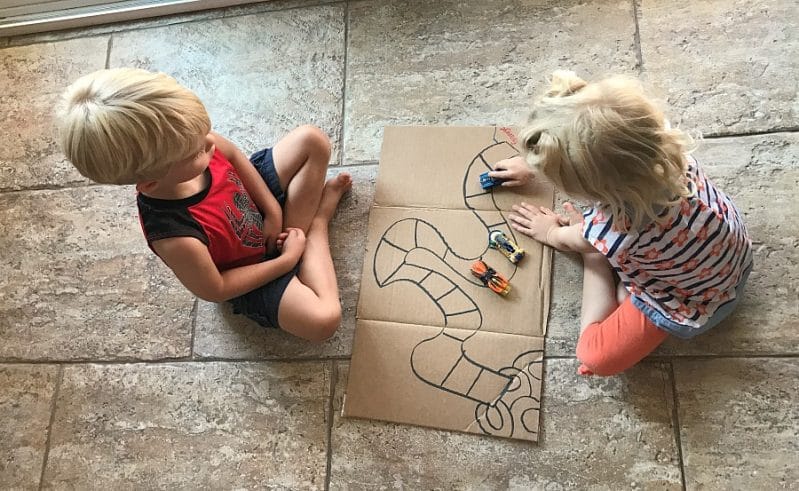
<point>223,217</point>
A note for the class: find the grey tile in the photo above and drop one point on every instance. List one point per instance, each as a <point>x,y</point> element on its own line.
<point>739,422</point>
<point>26,393</point>
<point>80,283</point>
<point>259,76</point>
<point>190,426</point>
<point>222,334</point>
<point>609,433</point>
<point>470,63</point>
<point>723,66</point>
<point>761,174</point>
<point>563,327</point>
<point>32,81</point>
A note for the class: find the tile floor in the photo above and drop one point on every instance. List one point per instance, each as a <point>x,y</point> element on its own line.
<point>113,377</point>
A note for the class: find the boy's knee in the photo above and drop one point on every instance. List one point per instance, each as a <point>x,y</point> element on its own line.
<point>315,140</point>
<point>325,324</point>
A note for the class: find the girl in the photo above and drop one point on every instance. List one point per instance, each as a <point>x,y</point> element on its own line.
<point>674,242</point>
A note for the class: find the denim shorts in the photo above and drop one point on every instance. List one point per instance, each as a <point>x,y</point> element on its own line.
<point>687,332</point>
<point>261,305</point>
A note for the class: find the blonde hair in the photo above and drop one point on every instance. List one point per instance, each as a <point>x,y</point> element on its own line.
<point>608,143</point>
<point>126,125</point>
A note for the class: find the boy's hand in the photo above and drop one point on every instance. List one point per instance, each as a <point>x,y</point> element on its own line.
<point>293,245</point>
<point>272,231</point>
<point>513,171</point>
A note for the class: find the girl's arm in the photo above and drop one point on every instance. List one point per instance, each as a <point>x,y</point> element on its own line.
<point>191,262</point>
<point>256,187</point>
<point>568,238</point>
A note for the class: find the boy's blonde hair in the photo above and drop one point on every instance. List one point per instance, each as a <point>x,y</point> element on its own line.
<point>607,143</point>
<point>126,125</point>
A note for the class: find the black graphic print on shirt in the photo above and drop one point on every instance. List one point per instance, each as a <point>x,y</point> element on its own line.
<point>247,221</point>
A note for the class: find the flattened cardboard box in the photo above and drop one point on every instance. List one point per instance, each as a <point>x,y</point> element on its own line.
<point>433,346</point>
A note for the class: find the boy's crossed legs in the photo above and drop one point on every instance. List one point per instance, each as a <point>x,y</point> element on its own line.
<point>310,307</point>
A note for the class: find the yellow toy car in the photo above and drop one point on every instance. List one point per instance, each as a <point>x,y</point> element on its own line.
<point>501,242</point>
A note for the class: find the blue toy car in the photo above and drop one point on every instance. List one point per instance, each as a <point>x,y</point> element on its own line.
<point>488,182</point>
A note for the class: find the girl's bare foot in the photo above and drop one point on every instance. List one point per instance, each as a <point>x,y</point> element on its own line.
<point>335,188</point>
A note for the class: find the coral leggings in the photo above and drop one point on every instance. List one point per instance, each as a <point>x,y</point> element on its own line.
<point>619,342</point>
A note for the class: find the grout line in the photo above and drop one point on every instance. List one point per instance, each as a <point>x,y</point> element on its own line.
<point>639,54</point>
<point>59,378</point>
<point>108,51</point>
<point>331,417</point>
<point>344,84</point>
<point>184,359</point>
<point>675,415</point>
<point>76,185</point>
<point>772,131</point>
<point>361,163</point>
<point>194,309</point>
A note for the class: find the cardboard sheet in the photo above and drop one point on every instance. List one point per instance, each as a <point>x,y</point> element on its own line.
<point>433,346</point>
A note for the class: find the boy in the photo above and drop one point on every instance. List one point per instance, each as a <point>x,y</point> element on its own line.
<point>254,233</point>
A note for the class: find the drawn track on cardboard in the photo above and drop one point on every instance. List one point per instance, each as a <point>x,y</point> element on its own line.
<point>514,411</point>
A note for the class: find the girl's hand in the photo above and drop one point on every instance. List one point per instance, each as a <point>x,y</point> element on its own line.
<point>536,221</point>
<point>513,171</point>
<point>544,225</point>
<point>293,245</point>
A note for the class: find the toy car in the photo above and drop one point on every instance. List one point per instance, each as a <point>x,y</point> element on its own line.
<point>501,242</point>
<point>490,278</point>
<point>488,182</point>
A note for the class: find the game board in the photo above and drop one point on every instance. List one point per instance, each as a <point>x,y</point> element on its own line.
<point>433,346</point>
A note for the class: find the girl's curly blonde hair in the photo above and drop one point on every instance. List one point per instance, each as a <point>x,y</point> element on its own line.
<point>608,143</point>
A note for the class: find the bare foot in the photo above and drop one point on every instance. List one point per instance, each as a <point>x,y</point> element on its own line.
<point>335,188</point>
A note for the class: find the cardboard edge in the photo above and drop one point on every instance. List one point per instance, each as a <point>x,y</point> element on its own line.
<point>466,431</point>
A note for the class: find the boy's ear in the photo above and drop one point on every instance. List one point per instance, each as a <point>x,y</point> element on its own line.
<point>144,187</point>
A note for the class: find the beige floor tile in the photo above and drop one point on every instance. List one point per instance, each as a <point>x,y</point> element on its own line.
<point>191,426</point>
<point>609,433</point>
<point>723,66</point>
<point>259,75</point>
<point>761,174</point>
<point>469,63</point>
<point>220,333</point>
<point>26,393</point>
<point>80,283</point>
<point>739,422</point>
<point>31,84</point>
<point>563,327</point>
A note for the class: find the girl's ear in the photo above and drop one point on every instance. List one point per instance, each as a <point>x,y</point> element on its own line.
<point>531,143</point>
